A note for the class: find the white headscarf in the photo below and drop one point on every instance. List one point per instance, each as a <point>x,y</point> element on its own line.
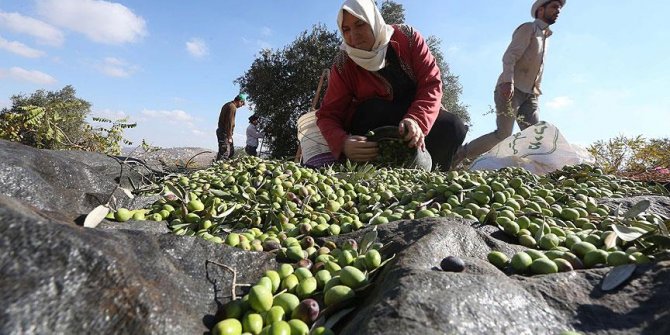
<point>367,11</point>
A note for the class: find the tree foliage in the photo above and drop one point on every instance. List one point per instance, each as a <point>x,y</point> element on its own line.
<point>451,87</point>
<point>394,13</point>
<point>281,85</point>
<point>635,154</point>
<point>57,120</point>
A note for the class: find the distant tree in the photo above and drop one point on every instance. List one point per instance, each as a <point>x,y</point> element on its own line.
<point>394,13</point>
<point>281,85</point>
<point>57,120</point>
<point>635,154</point>
<point>451,87</point>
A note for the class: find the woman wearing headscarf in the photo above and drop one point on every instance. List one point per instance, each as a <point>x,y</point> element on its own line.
<point>385,76</point>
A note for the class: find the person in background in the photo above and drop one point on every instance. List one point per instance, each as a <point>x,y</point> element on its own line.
<point>224,133</point>
<point>518,87</point>
<point>253,135</point>
<point>385,76</point>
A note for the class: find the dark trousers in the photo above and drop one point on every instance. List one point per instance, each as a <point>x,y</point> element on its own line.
<point>251,151</point>
<point>443,139</point>
<point>226,149</point>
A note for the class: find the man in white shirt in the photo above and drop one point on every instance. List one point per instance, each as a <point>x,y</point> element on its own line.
<point>518,86</point>
<point>253,135</point>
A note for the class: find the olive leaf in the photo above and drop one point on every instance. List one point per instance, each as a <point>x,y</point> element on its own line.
<point>217,193</point>
<point>94,217</point>
<point>426,203</point>
<point>610,241</point>
<point>178,226</point>
<point>637,209</point>
<point>617,276</point>
<point>381,265</point>
<point>663,227</point>
<point>369,238</point>
<point>617,212</point>
<point>540,232</point>
<point>335,318</point>
<point>376,206</point>
<point>226,213</point>
<point>177,190</point>
<point>658,188</point>
<point>625,233</point>
<point>374,217</point>
<point>648,227</point>
<point>368,168</point>
<point>560,223</point>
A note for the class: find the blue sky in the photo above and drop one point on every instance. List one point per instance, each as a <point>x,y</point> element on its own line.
<point>169,65</point>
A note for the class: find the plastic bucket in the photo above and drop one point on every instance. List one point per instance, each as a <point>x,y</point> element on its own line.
<point>315,150</point>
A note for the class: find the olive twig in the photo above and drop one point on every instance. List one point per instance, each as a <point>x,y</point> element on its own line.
<point>188,163</point>
<point>234,285</point>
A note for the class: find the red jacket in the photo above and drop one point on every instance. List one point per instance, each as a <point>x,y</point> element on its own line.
<point>350,84</point>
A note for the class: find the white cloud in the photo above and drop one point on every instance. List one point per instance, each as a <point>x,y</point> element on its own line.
<point>101,21</point>
<point>110,114</point>
<point>579,78</point>
<point>43,32</point>
<point>171,116</point>
<point>261,44</point>
<point>197,47</point>
<point>20,74</point>
<point>20,49</point>
<point>115,67</point>
<point>168,136</point>
<point>198,132</point>
<point>171,128</point>
<point>560,102</point>
<point>453,49</point>
<point>179,100</point>
<point>266,31</point>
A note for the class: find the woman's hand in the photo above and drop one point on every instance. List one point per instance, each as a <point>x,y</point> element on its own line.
<point>412,133</point>
<point>358,149</point>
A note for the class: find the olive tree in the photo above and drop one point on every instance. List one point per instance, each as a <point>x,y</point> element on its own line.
<point>394,13</point>
<point>281,85</point>
<point>57,120</point>
<point>631,154</point>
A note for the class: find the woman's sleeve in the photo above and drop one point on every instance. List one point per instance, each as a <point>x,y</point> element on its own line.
<point>331,117</point>
<point>428,99</point>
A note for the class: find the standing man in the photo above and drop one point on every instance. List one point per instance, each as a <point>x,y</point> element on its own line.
<point>253,135</point>
<point>224,133</point>
<point>518,86</point>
